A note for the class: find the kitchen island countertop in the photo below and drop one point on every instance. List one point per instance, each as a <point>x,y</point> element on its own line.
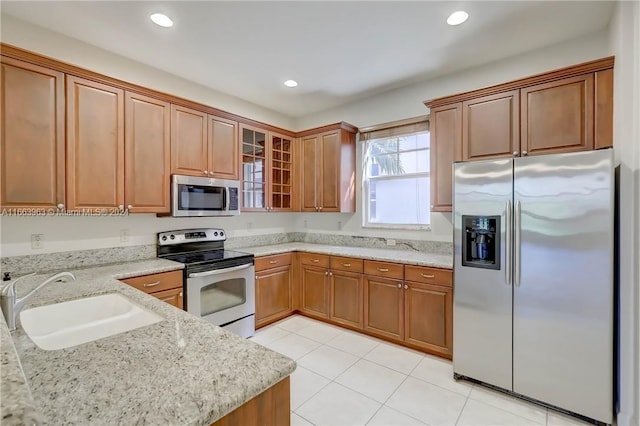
<point>179,371</point>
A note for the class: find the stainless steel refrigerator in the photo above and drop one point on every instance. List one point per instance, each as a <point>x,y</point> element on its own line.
<point>533,273</point>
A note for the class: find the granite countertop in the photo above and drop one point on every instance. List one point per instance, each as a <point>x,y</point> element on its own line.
<point>389,255</point>
<point>179,371</point>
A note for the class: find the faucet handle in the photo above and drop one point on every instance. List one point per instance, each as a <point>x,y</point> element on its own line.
<point>9,289</point>
<point>6,276</point>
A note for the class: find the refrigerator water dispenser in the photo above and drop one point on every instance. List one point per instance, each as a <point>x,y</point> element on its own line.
<point>481,241</point>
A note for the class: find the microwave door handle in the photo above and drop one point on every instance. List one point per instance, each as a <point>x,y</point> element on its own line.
<point>227,198</point>
<point>219,271</point>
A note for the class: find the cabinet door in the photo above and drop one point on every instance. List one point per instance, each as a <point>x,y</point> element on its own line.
<point>346,298</point>
<point>273,294</point>
<point>224,157</point>
<point>255,167</point>
<point>310,175</point>
<point>95,144</point>
<point>383,307</point>
<point>491,127</point>
<point>557,116</point>
<point>147,154</point>
<point>429,317</point>
<point>281,172</point>
<point>314,291</point>
<point>603,133</point>
<point>173,297</point>
<point>32,135</point>
<point>328,192</point>
<point>188,142</point>
<point>446,147</point>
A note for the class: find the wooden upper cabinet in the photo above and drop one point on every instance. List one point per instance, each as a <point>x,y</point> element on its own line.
<point>189,142</point>
<point>224,150</point>
<point>310,152</point>
<point>95,144</point>
<point>328,171</point>
<point>32,127</point>
<point>490,127</point>
<point>147,154</point>
<point>281,194</point>
<point>255,158</point>
<point>557,116</point>
<point>445,124</point>
<point>603,133</point>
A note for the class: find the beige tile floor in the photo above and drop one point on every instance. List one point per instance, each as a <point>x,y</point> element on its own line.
<point>346,378</point>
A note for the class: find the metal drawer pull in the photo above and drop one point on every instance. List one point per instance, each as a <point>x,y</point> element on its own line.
<point>427,275</point>
<point>346,265</point>
<point>383,269</point>
<point>151,284</point>
<point>273,262</point>
<point>316,260</point>
<point>399,285</point>
<point>406,287</point>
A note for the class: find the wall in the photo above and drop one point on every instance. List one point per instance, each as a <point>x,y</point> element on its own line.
<point>22,34</point>
<point>624,33</point>
<point>408,102</point>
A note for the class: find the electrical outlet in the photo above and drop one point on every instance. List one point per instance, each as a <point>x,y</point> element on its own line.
<point>36,241</point>
<point>391,242</point>
<point>124,235</point>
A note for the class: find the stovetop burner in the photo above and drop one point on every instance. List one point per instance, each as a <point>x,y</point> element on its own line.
<point>206,257</point>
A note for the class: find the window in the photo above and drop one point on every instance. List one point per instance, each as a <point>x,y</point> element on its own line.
<point>396,182</point>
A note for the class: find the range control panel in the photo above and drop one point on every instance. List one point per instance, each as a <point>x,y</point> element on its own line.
<point>190,236</point>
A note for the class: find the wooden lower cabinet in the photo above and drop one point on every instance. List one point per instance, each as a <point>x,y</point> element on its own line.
<point>271,407</point>
<point>346,298</point>
<point>166,286</point>
<point>273,294</point>
<point>314,291</point>
<point>383,307</point>
<point>428,316</point>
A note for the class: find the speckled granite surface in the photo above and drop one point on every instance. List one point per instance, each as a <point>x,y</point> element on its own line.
<point>435,247</point>
<point>180,371</point>
<point>400,256</point>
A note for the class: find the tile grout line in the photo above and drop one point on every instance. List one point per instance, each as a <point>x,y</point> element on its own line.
<point>461,411</point>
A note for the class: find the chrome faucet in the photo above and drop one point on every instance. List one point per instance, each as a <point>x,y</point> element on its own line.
<point>11,305</point>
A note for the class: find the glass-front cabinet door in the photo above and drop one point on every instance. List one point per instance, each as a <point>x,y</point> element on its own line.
<point>254,164</point>
<point>281,172</point>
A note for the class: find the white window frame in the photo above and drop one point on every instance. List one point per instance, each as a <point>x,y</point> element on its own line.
<point>365,191</point>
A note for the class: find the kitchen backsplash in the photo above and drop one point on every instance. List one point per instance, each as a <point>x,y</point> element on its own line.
<point>19,265</point>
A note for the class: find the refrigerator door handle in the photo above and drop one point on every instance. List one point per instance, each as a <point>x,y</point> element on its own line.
<point>516,243</point>
<point>508,242</point>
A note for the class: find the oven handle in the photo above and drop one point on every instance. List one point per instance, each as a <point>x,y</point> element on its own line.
<point>219,271</point>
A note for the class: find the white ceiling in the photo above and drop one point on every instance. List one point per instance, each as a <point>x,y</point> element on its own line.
<point>339,51</point>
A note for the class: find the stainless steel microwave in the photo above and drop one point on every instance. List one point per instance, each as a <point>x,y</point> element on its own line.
<point>200,196</point>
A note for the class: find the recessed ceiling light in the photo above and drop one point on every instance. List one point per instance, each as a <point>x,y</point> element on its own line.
<point>457,18</point>
<point>291,83</point>
<point>162,20</point>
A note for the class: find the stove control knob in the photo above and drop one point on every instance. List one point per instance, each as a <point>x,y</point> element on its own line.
<point>215,234</point>
<point>173,237</point>
<point>221,234</point>
<point>164,238</point>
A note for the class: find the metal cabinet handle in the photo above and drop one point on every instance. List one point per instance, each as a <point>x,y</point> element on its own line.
<point>180,294</point>
<point>383,269</point>
<point>406,287</point>
<point>129,207</point>
<point>427,275</point>
<point>316,260</point>
<point>151,284</point>
<point>257,277</point>
<point>525,153</point>
<point>515,153</point>
<point>60,206</point>
<point>399,285</point>
<point>330,273</point>
<point>121,207</point>
<point>326,273</point>
<point>211,173</point>
<point>273,262</point>
<point>320,208</point>
<point>346,265</point>
<point>507,253</point>
<point>205,172</point>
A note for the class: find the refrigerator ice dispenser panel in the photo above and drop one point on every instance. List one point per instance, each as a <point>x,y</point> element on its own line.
<point>481,241</point>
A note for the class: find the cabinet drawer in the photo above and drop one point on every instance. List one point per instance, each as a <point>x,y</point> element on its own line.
<point>320,260</point>
<point>156,282</point>
<point>347,264</point>
<point>274,261</point>
<point>425,275</point>
<point>383,269</point>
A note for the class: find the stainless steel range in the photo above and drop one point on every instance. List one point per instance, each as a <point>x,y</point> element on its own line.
<point>219,284</point>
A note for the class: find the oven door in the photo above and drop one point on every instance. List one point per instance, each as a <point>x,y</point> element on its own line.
<point>222,296</point>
